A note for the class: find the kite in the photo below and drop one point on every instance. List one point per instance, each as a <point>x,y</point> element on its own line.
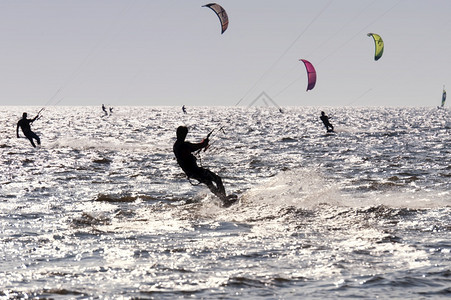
<point>221,13</point>
<point>311,74</point>
<point>379,43</point>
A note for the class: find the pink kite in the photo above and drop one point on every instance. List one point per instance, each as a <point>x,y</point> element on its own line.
<point>311,74</point>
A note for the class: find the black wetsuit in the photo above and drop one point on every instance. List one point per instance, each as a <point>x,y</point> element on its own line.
<point>326,122</point>
<point>187,161</point>
<point>24,124</point>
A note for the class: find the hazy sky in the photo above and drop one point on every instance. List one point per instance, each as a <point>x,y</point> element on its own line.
<point>171,52</point>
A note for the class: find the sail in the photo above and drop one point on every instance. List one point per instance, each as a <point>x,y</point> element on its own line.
<point>311,74</point>
<point>379,45</point>
<point>443,97</point>
<point>221,13</point>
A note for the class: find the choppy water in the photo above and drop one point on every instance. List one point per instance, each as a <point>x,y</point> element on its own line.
<point>102,209</point>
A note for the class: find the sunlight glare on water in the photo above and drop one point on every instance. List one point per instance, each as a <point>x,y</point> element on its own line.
<point>103,210</point>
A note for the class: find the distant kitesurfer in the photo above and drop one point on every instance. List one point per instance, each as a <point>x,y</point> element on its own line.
<point>187,161</point>
<point>104,110</point>
<point>326,122</point>
<point>24,124</point>
<point>111,110</point>
<point>184,109</point>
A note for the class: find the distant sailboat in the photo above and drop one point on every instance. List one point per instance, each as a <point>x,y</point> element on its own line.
<point>443,98</point>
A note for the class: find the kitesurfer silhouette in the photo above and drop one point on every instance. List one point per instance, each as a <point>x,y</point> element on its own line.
<point>326,122</point>
<point>104,110</point>
<point>184,109</point>
<point>24,124</point>
<point>187,161</point>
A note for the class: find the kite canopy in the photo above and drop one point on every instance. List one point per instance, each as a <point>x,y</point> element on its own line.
<point>311,74</point>
<point>379,43</point>
<point>221,13</point>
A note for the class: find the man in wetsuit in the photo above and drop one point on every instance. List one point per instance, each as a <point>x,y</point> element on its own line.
<point>187,161</point>
<point>326,122</point>
<point>24,124</point>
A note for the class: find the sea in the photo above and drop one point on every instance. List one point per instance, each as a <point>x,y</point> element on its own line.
<point>101,210</point>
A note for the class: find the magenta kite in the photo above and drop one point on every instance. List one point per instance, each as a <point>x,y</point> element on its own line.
<point>311,74</point>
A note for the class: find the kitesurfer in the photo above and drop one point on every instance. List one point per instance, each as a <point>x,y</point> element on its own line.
<point>326,122</point>
<point>187,161</point>
<point>24,124</point>
<point>184,109</point>
<point>104,110</point>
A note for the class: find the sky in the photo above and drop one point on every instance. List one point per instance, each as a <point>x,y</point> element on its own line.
<point>172,52</point>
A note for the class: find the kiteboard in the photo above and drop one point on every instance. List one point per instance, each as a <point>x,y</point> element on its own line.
<point>224,202</point>
<point>230,200</point>
<point>330,133</point>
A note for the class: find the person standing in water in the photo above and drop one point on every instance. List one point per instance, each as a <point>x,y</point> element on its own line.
<point>24,124</point>
<point>187,161</point>
<point>326,122</point>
